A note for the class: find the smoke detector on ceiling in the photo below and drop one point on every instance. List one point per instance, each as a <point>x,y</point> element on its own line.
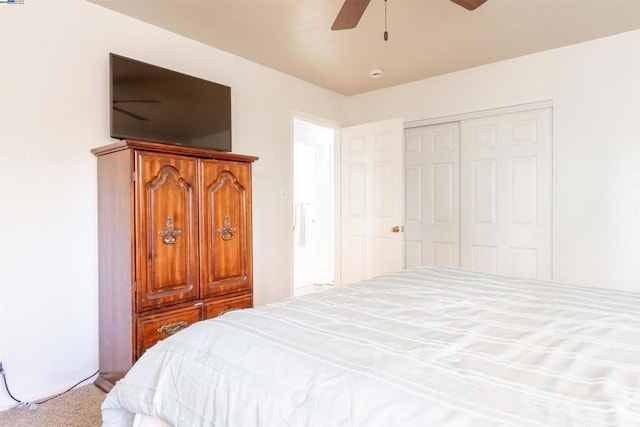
<point>376,73</point>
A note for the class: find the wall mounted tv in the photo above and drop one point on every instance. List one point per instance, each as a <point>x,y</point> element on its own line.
<point>150,103</point>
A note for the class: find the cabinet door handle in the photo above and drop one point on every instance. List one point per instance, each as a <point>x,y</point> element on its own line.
<point>170,236</point>
<point>227,230</point>
<point>172,328</point>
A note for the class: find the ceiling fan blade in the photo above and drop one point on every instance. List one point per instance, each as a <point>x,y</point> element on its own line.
<point>469,4</point>
<point>350,14</point>
<point>130,114</point>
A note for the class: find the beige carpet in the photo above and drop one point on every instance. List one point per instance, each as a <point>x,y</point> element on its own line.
<point>77,408</point>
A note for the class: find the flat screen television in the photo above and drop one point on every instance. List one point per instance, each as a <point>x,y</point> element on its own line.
<point>151,103</point>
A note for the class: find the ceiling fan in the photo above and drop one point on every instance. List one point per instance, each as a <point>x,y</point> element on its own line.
<point>352,11</point>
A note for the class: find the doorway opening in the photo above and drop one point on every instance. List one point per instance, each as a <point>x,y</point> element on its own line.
<point>314,206</point>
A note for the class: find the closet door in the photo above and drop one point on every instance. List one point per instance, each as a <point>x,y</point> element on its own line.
<point>432,193</point>
<point>505,194</point>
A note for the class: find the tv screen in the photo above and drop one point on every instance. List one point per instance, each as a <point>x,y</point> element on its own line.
<point>150,103</point>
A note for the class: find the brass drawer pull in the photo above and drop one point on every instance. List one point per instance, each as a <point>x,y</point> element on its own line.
<point>172,328</point>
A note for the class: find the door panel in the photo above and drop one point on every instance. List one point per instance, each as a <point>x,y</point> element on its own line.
<point>432,171</point>
<point>167,229</point>
<point>372,193</point>
<point>484,191</point>
<point>225,250</point>
<point>506,194</point>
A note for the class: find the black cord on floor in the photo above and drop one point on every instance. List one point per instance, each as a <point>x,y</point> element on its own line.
<point>6,386</point>
<point>33,405</point>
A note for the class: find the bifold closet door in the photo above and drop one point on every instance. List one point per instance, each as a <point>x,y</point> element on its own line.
<point>432,193</point>
<point>505,194</point>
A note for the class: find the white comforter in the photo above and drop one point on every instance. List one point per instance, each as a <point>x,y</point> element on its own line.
<point>424,347</point>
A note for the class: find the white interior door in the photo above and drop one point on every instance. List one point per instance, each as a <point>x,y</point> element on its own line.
<point>506,186</point>
<point>432,195</point>
<point>372,200</point>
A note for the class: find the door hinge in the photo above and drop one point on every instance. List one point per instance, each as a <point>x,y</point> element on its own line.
<point>133,176</point>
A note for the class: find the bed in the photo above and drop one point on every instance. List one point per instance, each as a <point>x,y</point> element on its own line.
<point>421,347</point>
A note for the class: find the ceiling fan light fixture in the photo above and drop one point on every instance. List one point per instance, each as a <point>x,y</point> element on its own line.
<point>376,73</point>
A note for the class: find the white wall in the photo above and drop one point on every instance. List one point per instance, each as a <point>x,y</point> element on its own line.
<point>54,99</point>
<point>595,88</point>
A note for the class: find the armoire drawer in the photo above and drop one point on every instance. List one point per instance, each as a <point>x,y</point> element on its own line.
<point>155,327</point>
<point>218,307</point>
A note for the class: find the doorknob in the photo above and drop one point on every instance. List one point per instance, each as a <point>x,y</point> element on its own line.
<point>395,229</point>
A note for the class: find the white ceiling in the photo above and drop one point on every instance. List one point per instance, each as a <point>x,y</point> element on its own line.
<point>426,37</point>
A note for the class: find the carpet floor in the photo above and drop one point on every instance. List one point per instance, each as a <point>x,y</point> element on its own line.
<point>76,408</point>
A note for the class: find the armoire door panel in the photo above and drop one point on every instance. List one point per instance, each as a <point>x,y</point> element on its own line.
<point>225,251</point>
<point>167,229</point>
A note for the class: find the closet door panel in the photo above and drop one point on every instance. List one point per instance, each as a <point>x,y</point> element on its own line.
<point>506,194</point>
<point>483,187</point>
<point>432,189</point>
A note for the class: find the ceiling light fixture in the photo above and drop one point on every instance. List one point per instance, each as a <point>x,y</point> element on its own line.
<point>376,73</point>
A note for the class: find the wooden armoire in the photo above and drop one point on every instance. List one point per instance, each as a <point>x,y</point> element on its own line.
<point>175,244</point>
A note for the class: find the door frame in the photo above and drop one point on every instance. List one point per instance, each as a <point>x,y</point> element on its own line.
<point>288,195</point>
<point>547,103</point>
